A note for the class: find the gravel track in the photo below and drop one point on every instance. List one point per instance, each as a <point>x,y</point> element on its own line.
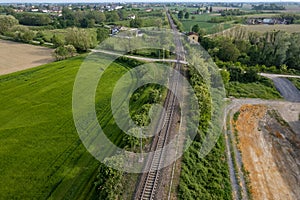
<point>286,88</point>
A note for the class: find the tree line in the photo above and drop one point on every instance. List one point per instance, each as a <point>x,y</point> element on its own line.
<point>78,18</point>
<point>276,48</point>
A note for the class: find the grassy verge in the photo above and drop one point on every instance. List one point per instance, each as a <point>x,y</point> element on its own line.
<point>261,90</point>
<point>204,177</point>
<point>296,82</point>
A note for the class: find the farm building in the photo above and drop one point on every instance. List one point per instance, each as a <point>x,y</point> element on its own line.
<point>193,37</point>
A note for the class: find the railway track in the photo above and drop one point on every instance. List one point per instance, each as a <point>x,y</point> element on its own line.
<point>149,184</point>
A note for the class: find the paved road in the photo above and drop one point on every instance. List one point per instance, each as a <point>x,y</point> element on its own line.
<point>286,88</point>
<point>278,75</point>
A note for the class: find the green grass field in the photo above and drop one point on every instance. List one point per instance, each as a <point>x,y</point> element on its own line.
<point>252,90</point>
<point>60,33</point>
<point>40,151</point>
<point>202,21</point>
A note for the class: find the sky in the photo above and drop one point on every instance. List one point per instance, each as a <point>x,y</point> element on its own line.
<point>117,1</point>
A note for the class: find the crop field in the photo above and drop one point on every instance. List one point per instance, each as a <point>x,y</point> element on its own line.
<point>202,21</point>
<point>17,56</point>
<point>40,151</point>
<point>293,28</point>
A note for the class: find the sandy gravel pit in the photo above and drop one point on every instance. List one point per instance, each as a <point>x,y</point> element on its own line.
<point>18,56</point>
<point>270,153</point>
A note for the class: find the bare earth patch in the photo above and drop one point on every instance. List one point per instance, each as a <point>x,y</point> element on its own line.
<point>270,153</point>
<point>17,56</point>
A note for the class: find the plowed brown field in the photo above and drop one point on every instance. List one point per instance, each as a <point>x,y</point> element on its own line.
<point>17,56</point>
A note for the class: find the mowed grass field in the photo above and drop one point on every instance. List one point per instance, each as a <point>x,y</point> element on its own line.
<point>41,154</point>
<point>16,56</point>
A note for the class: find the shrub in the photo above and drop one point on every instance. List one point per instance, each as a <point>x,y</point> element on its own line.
<point>64,52</point>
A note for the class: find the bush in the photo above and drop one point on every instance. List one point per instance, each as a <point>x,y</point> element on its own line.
<point>6,22</point>
<point>80,39</point>
<point>56,41</point>
<point>64,52</point>
<point>23,34</point>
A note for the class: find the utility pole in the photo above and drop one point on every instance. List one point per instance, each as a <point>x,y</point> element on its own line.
<point>141,144</point>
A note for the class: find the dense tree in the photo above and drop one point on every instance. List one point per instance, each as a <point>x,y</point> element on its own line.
<point>187,15</point>
<point>108,183</point>
<point>112,16</point>
<point>136,23</point>
<point>293,53</point>
<point>196,28</point>
<point>56,41</point>
<point>225,76</point>
<point>102,34</point>
<point>228,51</point>
<point>154,96</point>
<point>273,47</point>
<point>80,39</point>
<point>180,14</point>
<point>122,14</point>
<point>99,17</point>
<point>22,34</point>
<point>131,139</point>
<point>33,19</point>
<point>7,22</point>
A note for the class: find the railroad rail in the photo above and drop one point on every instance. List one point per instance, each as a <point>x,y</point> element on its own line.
<point>149,184</point>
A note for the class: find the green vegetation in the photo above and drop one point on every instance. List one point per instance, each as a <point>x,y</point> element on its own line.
<point>136,23</point>
<point>252,90</point>
<point>203,21</point>
<point>271,6</point>
<point>42,155</point>
<point>236,116</point>
<point>275,51</point>
<point>243,81</point>
<point>110,183</point>
<point>207,177</point>
<point>80,39</point>
<point>33,19</point>
<point>7,22</point>
<point>64,52</point>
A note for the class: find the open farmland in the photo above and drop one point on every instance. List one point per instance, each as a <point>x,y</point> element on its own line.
<point>17,56</point>
<point>203,22</point>
<point>40,151</point>
<point>293,28</point>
